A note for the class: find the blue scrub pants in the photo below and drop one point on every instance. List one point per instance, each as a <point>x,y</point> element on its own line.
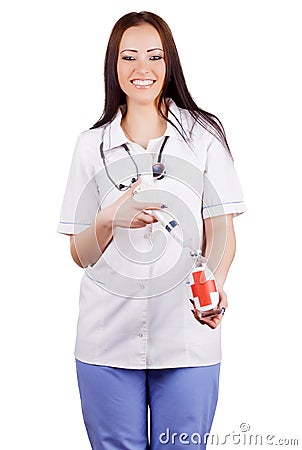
<point>114,402</point>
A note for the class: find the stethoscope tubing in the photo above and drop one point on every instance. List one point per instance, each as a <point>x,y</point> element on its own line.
<point>122,187</point>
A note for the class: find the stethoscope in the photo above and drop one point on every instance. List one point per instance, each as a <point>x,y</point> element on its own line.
<point>158,169</point>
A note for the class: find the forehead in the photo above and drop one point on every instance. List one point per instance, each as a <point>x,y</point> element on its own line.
<point>141,37</point>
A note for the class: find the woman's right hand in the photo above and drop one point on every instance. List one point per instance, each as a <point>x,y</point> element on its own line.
<point>126,212</point>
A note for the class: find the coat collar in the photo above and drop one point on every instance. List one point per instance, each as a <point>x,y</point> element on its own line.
<point>115,137</point>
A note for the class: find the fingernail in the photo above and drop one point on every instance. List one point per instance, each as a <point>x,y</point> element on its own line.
<point>163,206</point>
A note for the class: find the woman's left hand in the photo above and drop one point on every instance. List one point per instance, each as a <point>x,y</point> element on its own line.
<point>213,322</point>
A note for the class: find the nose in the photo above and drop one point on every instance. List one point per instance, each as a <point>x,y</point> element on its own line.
<point>142,65</point>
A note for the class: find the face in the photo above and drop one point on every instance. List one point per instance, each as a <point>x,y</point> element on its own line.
<point>141,66</point>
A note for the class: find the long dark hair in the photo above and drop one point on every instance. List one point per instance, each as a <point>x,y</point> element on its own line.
<point>174,86</point>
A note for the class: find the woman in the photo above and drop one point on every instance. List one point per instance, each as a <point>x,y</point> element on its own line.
<point>138,343</point>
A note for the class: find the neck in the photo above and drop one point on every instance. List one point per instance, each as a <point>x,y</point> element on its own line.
<point>142,123</point>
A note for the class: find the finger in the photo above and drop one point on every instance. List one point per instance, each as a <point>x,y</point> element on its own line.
<point>146,218</point>
<point>144,205</point>
<point>141,219</point>
<point>222,304</point>
<point>131,191</point>
<point>210,323</point>
<point>196,317</point>
<point>214,322</point>
<point>137,183</point>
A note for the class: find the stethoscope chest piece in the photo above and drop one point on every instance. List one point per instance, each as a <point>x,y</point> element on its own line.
<point>159,171</point>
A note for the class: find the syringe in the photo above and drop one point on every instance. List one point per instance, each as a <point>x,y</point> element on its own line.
<point>171,226</point>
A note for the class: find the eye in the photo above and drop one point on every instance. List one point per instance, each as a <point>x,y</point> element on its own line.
<point>156,58</point>
<point>128,58</point>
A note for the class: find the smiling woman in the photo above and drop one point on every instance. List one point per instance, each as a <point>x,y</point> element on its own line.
<point>138,343</point>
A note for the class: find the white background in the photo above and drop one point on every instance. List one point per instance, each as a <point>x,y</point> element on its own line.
<point>241,60</point>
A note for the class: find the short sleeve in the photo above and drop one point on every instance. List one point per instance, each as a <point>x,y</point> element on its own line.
<point>81,198</point>
<point>222,190</point>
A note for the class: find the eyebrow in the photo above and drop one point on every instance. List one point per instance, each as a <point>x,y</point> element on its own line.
<point>135,51</point>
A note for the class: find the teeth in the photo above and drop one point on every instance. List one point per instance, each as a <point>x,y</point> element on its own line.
<point>142,82</point>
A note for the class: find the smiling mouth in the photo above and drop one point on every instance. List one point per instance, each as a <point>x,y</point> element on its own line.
<point>142,84</point>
